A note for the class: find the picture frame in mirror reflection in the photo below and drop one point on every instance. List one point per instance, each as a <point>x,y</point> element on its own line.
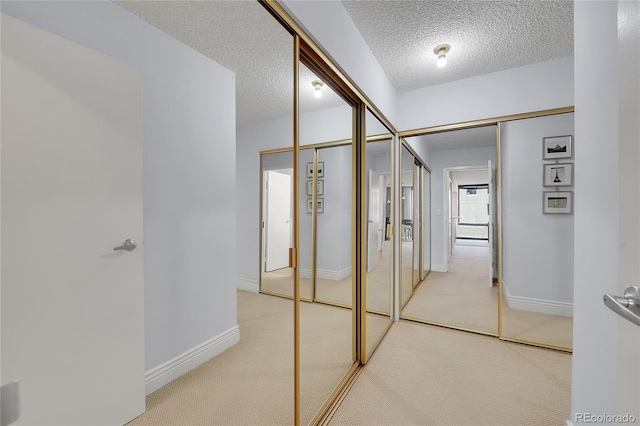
<point>320,187</point>
<point>320,205</point>
<point>557,147</point>
<point>557,202</point>
<point>320,169</point>
<point>559,174</point>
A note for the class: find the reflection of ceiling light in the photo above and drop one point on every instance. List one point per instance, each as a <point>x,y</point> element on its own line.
<point>441,51</point>
<point>317,84</point>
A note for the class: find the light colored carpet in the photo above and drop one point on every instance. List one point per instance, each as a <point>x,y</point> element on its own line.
<point>252,382</point>
<point>461,297</point>
<point>424,375</point>
<point>419,375</point>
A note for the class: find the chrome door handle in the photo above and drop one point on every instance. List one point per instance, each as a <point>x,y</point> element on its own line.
<point>128,245</point>
<point>627,306</point>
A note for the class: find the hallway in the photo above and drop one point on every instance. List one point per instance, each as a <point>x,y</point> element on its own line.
<point>419,375</point>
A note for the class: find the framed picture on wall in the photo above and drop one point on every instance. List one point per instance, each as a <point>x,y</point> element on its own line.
<point>320,169</point>
<point>320,187</point>
<point>320,205</point>
<point>556,147</point>
<point>560,174</point>
<point>557,202</point>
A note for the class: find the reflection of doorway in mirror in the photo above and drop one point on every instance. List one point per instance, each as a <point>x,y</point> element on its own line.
<point>277,219</point>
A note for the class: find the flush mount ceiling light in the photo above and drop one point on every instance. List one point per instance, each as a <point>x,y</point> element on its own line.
<point>317,84</point>
<point>441,51</point>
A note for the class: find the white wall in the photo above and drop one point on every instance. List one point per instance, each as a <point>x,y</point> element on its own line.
<point>189,169</point>
<point>537,248</point>
<point>596,268</point>
<point>441,160</point>
<point>421,148</point>
<point>530,88</point>
<point>344,43</point>
<point>334,224</point>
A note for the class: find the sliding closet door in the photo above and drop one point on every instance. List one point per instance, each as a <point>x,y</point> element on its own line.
<point>379,248</point>
<point>456,195</point>
<point>417,224</point>
<point>537,230</point>
<point>426,222</point>
<point>326,243</point>
<point>406,212</point>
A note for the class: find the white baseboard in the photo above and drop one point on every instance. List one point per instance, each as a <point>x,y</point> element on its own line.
<point>247,285</point>
<point>171,370</point>
<point>550,307</point>
<point>437,267</point>
<point>325,274</point>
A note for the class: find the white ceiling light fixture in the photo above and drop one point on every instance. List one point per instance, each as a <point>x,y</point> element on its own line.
<point>317,84</point>
<point>441,51</point>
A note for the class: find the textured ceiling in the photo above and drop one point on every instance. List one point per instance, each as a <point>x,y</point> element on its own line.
<point>244,38</point>
<point>485,36</point>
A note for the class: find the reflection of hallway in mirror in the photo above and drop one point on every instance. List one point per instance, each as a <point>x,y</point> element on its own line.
<point>461,297</point>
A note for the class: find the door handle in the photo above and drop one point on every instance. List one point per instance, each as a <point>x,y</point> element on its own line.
<point>128,245</point>
<point>627,306</point>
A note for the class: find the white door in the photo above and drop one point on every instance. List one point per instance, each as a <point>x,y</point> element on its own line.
<point>71,174</point>
<point>374,225</point>
<point>491,211</point>
<point>628,341</point>
<point>278,220</point>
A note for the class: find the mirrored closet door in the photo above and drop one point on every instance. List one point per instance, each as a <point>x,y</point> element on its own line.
<point>378,289</point>
<point>325,176</point>
<point>455,244</point>
<point>537,230</point>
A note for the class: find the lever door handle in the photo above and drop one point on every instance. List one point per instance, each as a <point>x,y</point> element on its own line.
<point>627,306</point>
<point>128,245</point>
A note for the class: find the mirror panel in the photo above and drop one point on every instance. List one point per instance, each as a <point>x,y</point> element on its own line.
<point>537,278</point>
<point>460,267</point>
<point>406,223</point>
<point>326,245</point>
<point>334,235</point>
<point>417,224</point>
<point>379,247</point>
<point>307,286</point>
<point>426,222</point>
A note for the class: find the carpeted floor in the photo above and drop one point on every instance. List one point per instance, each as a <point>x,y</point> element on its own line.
<point>463,298</point>
<point>419,375</point>
<point>426,375</point>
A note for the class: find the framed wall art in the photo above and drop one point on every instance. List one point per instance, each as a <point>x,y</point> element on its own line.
<point>320,169</point>
<point>320,205</point>
<point>557,202</point>
<point>320,187</point>
<point>560,174</point>
<point>557,147</point>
